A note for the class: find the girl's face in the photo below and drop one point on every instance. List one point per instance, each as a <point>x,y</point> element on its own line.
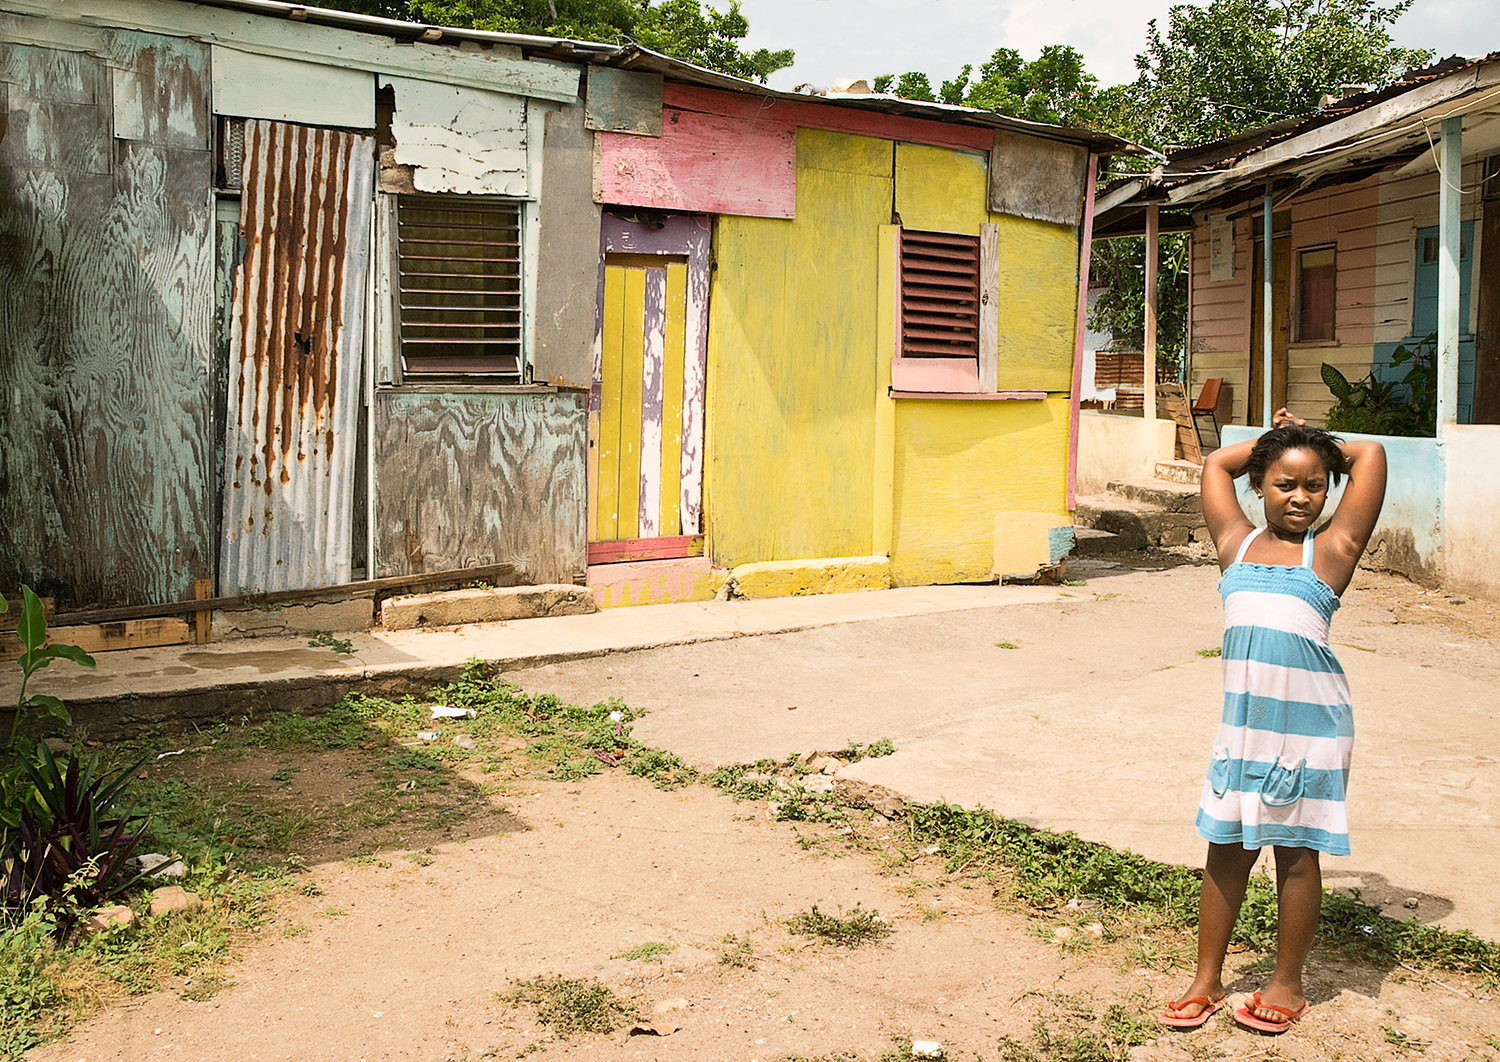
<point>1295,489</point>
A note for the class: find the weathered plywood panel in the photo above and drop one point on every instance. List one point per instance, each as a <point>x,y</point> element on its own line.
<point>460,139</point>
<point>702,162</point>
<point>1037,179</point>
<point>567,290</point>
<point>939,189</point>
<point>794,340</point>
<point>955,471</point>
<point>624,101</point>
<point>1038,296</point>
<point>106,311</point>
<point>468,479</point>
<point>284,90</point>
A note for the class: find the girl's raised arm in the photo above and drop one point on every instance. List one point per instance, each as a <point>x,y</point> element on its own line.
<point>1354,521</point>
<point>1226,521</point>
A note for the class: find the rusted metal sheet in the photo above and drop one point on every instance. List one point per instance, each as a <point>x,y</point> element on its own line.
<point>106,315</point>
<point>296,350</point>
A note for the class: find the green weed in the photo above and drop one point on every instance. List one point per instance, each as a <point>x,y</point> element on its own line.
<point>857,928</point>
<point>1006,645</point>
<point>650,951</point>
<point>1209,654</point>
<point>736,952</point>
<point>569,1006</point>
<point>326,640</point>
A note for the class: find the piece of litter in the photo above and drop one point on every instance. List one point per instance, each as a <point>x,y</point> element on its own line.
<point>164,755</point>
<point>429,735</point>
<point>932,849</point>
<point>926,1049</point>
<point>791,707</point>
<point>406,787</point>
<point>464,741</point>
<point>616,716</point>
<point>443,711</point>
<point>162,866</point>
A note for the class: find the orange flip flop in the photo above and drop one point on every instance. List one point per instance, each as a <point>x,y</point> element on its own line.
<point>1172,1021</point>
<point>1250,1021</point>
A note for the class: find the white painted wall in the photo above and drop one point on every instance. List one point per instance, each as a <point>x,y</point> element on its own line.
<point>1115,447</point>
<point>1471,548</point>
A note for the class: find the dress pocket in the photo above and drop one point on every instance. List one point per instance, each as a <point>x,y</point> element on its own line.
<point>1218,771</point>
<point>1283,783</point>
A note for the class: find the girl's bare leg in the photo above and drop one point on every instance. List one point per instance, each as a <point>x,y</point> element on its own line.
<point>1226,873</point>
<point>1299,899</point>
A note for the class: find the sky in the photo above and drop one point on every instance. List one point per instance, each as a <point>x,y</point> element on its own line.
<point>864,38</point>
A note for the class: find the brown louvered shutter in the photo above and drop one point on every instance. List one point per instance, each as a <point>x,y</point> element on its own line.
<point>939,295</point>
<point>460,270</point>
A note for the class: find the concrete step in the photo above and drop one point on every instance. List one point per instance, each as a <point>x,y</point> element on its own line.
<point>1091,542</point>
<point>1139,523</point>
<point>1163,493</point>
<point>1179,472</point>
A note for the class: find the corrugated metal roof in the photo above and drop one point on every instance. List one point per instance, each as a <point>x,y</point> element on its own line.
<point>295,357</point>
<point>635,57</point>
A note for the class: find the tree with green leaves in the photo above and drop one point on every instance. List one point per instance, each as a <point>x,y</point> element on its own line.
<point>1053,88</point>
<point>684,29</point>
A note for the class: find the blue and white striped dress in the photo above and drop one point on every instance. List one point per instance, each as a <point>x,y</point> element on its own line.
<point>1280,763</point>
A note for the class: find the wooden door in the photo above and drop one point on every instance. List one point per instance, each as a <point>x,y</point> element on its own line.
<point>1281,327</point>
<point>641,510</point>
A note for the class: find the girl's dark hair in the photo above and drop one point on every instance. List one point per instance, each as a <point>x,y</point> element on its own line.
<point>1278,441</point>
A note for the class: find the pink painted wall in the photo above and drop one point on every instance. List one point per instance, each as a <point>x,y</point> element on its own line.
<point>732,153</point>
<point>702,162</point>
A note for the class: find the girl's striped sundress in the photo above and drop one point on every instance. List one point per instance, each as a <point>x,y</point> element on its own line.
<point>1280,763</point>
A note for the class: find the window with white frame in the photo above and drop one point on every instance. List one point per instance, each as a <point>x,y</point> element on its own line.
<point>459,272</point>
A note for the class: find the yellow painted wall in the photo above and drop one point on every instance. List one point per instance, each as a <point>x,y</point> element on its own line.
<point>792,344</point>
<point>960,463</point>
<point>1038,303</point>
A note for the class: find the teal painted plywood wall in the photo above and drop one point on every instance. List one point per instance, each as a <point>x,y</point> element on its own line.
<point>106,318</point>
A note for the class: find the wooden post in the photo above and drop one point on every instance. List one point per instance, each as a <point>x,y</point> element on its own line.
<point>1450,173</point>
<point>1265,313</point>
<point>202,590</point>
<point>1149,347</point>
<point>1080,322</point>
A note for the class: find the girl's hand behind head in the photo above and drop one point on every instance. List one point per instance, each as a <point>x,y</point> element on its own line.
<point>1282,418</point>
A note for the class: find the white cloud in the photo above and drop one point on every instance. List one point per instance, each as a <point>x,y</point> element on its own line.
<point>863,38</point>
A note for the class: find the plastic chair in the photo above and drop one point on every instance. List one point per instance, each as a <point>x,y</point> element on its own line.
<point>1208,403</point>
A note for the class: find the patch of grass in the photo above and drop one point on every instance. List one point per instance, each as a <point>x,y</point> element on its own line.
<point>422,858</point>
<point>1048,869</point>
<point>857,928</point>
<point>800,805</point>
<point>1075,582</point>
<point>1209,654</point>
<point>205,986</point>
<point>899,1051</point>
<point>854,751</point>
<point>1006,645</point>
<point>650,951</point>
<point>735,951</point>
<point>1105,597</point>
<point>296,929</point>
<point>569,1006</point>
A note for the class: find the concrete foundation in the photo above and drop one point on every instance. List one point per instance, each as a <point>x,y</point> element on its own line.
<point>829,575</point>
<point>486,606</point>
<point>355,614</point>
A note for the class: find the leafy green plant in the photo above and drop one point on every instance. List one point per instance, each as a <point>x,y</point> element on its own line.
<point>650,951</point>
<point>76,851</point>
<point>1385,405</point>
<point>31,628</point>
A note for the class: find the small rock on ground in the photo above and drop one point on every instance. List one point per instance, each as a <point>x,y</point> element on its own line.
<point>173,898</point>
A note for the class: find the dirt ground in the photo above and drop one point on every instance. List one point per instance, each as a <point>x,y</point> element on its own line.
<point>430,890</point>
<point>405,952</point>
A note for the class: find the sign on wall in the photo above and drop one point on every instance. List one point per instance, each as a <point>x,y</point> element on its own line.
<point>1221,247</point>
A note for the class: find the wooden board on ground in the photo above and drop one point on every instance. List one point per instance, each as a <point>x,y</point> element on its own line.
<point>1172,404</point>
<point>102,637</point>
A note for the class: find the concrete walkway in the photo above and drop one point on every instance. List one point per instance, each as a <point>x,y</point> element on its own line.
<point>1087,708</point>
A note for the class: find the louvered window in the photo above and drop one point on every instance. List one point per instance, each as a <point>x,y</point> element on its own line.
<point>939,295</point>
<point>459,259</point>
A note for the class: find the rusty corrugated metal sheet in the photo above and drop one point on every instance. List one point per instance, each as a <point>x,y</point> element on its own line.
<point>295,357</point>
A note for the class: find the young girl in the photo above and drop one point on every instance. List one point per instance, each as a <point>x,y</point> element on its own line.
<point>1280,761</point>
